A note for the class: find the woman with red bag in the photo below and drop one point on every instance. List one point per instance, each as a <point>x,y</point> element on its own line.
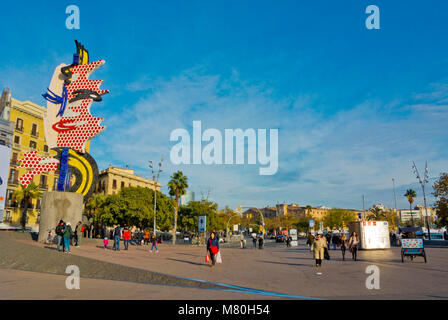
<point>212,248</point>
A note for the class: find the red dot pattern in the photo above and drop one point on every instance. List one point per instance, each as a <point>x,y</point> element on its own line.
<point>37,164</point>
<point>88,125</point>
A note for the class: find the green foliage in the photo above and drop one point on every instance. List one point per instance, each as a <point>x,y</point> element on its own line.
<point>189,215</point>
<point>302,224</point>
<point>178,185</point>
<point>26,196</point>
<point>441,194</point>
<point>337,217</point>
<point>410,194</point>
<point>134,206</point>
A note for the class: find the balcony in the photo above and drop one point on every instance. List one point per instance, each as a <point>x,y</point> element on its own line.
<point>13,182</point>
<point>35,134</point>
<point>43,186</point>
<point>15,162</point>
<point>19,129</point>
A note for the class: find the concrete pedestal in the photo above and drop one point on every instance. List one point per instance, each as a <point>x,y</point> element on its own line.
<point>56,206</point>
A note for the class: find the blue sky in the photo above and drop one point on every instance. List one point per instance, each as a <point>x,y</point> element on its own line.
<point>353,106</point>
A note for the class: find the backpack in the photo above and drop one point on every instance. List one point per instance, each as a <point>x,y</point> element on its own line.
<point>59,230</point>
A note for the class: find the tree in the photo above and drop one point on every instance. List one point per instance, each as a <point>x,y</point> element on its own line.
<point>178,186</point>
<point>336,218</point>
<point>25,196</point>
<point>411,194</point>
<point>377,214</point>
<point>134,206</point>
<point>441,193</point>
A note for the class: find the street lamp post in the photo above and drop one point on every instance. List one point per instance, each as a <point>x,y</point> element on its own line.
<point>155,179</point>
<point>423,183</point>
<point>227,227</point>
<point>395,199</point>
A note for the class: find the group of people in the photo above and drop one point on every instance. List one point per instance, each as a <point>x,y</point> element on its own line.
<point>319,246</point>
<point>65,235</point>
<point>260,241</point>
<point>125,233</point>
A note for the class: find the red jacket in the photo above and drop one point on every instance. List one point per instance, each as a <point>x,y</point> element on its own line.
<point>127,235</point>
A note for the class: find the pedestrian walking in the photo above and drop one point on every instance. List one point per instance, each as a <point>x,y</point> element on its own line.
<point>343,244</point>
<point>310,239</point>
<point>140,237</point>
<point>288,241</point>
<point>60,235</point>
<point>353,245</point>
<point>335,240</point>
<point>78,234</point>
<point>154,243</point>
<point>105,242</point>
<point>126,238</point>
<point>68,233</point>
<point>117,236</point>
<point>254,241</point>
<point>260,242</point>
<point>328,238</point>
<point>318,248</point>
<point>213,248</point>
<point>146,237</point>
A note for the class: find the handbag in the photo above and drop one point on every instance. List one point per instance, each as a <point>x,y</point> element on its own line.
<point>326,254</point>
<point>218,257</point>
<point>207,258</point>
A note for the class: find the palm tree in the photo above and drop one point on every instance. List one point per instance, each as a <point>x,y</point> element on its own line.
<point>376,214</point>
<point>26,196</point>
<point>178,186</point>
<point>411,194</point>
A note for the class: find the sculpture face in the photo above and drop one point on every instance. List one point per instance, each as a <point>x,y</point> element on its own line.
<point>69,124</point>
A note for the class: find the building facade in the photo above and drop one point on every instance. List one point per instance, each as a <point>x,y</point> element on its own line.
<point>28,135</point>
<point>113,179</point>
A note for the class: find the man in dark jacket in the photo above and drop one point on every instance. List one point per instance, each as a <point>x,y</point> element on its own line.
<point>60,235</point>
<point>117,236</point>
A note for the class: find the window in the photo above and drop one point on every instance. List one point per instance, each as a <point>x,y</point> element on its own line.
<point>114,184</point>
<point>33,144</point>
<point>12,174</point>
<point>45,148</point>
<point>43,182</point>
<point>17,139</point>
<point>19,124</point>
<point>34,130</point>
<point>55,185</point>
<point>14,160</point>
<point>122,184</point>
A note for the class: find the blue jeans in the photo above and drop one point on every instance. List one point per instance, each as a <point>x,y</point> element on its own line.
<point>154,246</point>
<point>116,242</point>
<point>67,244</point>
<point>126,244</point>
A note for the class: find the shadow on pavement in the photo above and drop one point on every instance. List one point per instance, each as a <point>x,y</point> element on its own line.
<point>189,262</point>
<point>288,264</point>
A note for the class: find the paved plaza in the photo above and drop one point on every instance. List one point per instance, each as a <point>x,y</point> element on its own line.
<point>30,270</point>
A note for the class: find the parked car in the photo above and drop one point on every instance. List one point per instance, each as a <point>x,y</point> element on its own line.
<point>280,238</point>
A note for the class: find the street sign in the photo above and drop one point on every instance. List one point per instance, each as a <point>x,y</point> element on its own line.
<point>202,223</point>
<point>311,222</point>
<point>235,228</point>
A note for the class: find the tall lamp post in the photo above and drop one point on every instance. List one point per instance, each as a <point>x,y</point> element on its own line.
<point>155,178</point>
<point>395,199</point>
<point>422,183</point>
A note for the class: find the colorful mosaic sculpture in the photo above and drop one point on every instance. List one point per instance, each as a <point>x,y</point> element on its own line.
<point>69,125</point>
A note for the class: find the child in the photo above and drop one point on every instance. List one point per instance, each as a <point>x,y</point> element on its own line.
<point>106,242</point>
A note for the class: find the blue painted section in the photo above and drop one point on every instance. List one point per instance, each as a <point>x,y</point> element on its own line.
<point>63,170</point>
<point>239,289</point>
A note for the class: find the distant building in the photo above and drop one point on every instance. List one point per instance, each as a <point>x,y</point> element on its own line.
<point>187,198</point>
<point>418,213</point>
<point>113,179</point>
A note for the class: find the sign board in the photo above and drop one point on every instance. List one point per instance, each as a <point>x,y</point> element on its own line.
<point>5,154</point>
<point>311,222</point>
<point>235,228</point>
<point>202,223</point>
<point>293,234</point>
